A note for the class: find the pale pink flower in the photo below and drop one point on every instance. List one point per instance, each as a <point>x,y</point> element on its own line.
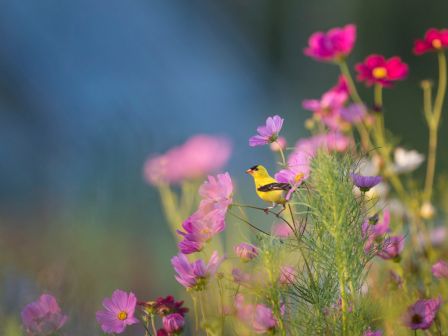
<point>118,312</point>
<point>440,269</point>
<point>268,133</point>
<point>288,275</point>
<point>245,251</point>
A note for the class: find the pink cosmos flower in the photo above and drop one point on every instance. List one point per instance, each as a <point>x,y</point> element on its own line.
<point>327,108</point>
<point>195,275</point>
<point>118,312</point>
<point>279,144</point>
<point>281,230</point>
<point>434,40</point>
<point>267,134</point>
<point>392,247</point>
<point>43,317</point>
<point>258,317</point>
<point>198,156</point>
<point>288,275</point>
<point>163,306</point>
<point>241,277</point>
<point>216,192</point>
<point>245,251</point>
<point>375,230</point>
<point>422,314</point>
<point>440,269</point>
<point>332,45</point>
<point>372,333</point>
<point>173,323</point>
<point>377,70</point>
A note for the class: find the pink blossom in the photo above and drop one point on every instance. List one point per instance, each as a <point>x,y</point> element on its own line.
<point>377,70</point>
<point>422,314</point>
<point>241,277</point>
<point>267,134</point>
<point>392,247</point>
<point>282,230</point>
<point>258,317</point>
<point>328,108</point>
<point>118,312</point>
<point>332,45</point>
<point>372,333</point>
<point>216,192</point>
<point>43,317</point>
<point>279,144</point>
<point>245,251</point>
<point>353,113</point>
<point>198,156</point>
<point>173,323</point>
<point>434,40</point>
<point>440,269</point>
<point>375,231</point>
<point>288,275</point>
<point>195,275</point>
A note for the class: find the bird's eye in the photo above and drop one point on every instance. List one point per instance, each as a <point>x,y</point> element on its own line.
<point>254,168</point>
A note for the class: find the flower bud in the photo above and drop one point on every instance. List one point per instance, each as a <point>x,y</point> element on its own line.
<point>245,251</point>
<point>173,323</point>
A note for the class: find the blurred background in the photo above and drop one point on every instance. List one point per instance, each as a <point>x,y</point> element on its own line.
<point>90,89</point>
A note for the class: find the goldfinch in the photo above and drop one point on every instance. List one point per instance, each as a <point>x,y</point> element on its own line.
<point>267,187</point>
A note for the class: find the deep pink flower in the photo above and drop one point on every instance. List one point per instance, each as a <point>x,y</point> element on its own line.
<point>267,134</point>
<point>372,333</point>
<point>377,70</point>
<point>422,314</point>
<point>245,251</point>
<point>195,275</point>
<point>198,156</point>
<point>332,45</point>
<point>173,323</point>
<point>162,332</point>
<point>341,86</point>
<point>288,275</point>
<point>167,305</point>
<point>43,317</point>
<point>118,312</point>
<point>434,40</point>
<point>440,269</point>
<point>392,247</point>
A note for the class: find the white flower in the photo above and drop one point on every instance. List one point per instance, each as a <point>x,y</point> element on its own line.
<point>407,161</point>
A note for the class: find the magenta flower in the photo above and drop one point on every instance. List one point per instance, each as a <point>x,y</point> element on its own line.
<point>434,40</point>
<point>328,108</point>
<point>198,156</point>
<point>288,275</point>
<point>333,45</point>
<point>166,305</point>
<point>267,134</point>
<point>377,70</point>
<point>375,230</point>
<point>365,183</point>
<point>392,247</point>
<point>264,319</point>
<point>245,251</point>
<point>118,312</point>
<point>195,275</point>
<point>440,269</point>
<point>173,323</point>
<point>372,333</point>
<point>422,314</point>
<point>43,317</point>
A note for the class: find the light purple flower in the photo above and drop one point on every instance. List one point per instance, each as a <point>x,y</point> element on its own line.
<point>195,275</point>
<point>118,312</point>
<point>216,193</point>
<point>422,314</point>
<point>43,317</point>
<point>365,183</point>
<point>372,333</point>
<point>354,113</point>
<point>375,232</point>
<point>392,247</point>
<point>173,323</point>
<point>267,134</point>
<point>264,319</point>
<point>440,269</point>
<point>245,251</point>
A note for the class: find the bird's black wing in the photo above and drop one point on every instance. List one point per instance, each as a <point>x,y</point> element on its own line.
<point>274,186</point>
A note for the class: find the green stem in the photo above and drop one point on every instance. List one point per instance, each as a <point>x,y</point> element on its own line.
<point>248,223</point>
<point>195,312</point>
<point>281,154</point>
<point>153,324</point>
<point>351,84</point>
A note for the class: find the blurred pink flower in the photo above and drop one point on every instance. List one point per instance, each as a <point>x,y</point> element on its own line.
<point>245,251</point>
<point>268,133</point>
<point>440,269</point>
<point>281,230</point>
<point>353,113</point>
<point>198,156</point>
<point>195,275</point>
<point>258,317</point>
<point>372,333</point>
<point>288,275</point>
<point>118,312</point>
<point>328,108</point>
<point>377,70</point>
<point>434,40</point>
<point>332,45</point>
<point>173,323</point>
<point>422,314</point>
<point>43,317</point>
<point>240,277</point>
<point>375,231</point>
<point>392,247</point>
<point>279,144</point>
<point>216,193</point>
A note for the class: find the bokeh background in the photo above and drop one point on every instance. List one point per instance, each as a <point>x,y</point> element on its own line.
<point>90,89</point>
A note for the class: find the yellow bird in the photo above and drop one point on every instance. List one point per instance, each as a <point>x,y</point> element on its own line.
<point>267,187</point>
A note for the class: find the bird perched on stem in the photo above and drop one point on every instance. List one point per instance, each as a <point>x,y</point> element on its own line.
<point>267,187</point>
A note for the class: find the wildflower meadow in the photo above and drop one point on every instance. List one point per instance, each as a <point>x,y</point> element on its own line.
<point>343,237</point>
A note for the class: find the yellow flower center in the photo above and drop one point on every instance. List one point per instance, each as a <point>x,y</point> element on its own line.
<point>122,316</point>
<point>298,177</point>
<point>379,72</point>
<point>436,43</point>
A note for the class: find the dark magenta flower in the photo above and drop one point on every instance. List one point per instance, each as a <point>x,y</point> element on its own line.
<point>43,317</point>
<point>365,183</point>
<point>245,251</point>
<point>434,40</point>
<point>167,305</point>
<point>173,323</point>
<point>392,247</point>
<point>333,45</point>
<point>422,314</point>
<point>268,133</point>
<point>377,70</point>
<point>195,275</point>
<point>440,269</point>
<point>118,312</point>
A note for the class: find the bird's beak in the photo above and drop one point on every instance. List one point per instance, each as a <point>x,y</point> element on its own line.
<point>249,171</point>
